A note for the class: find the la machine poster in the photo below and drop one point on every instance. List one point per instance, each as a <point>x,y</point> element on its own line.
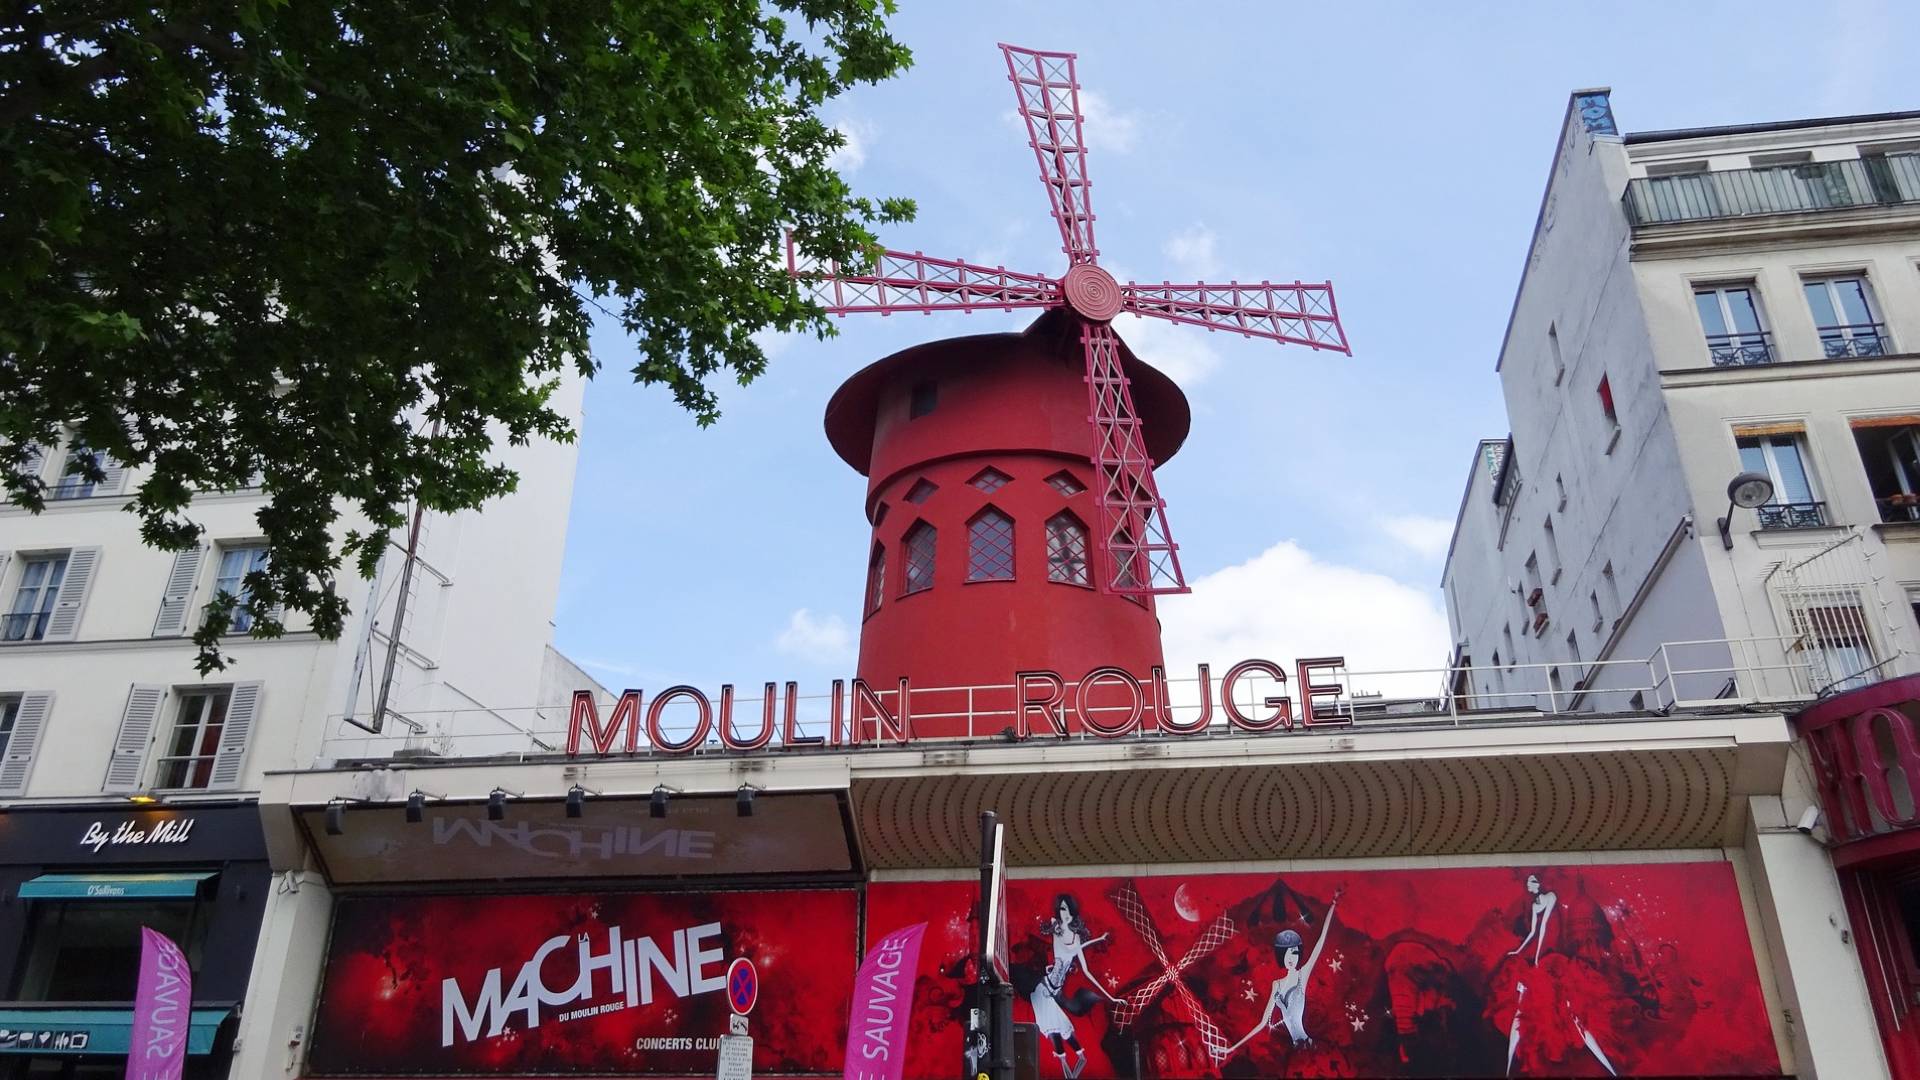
<point>1642,970</point>
<point>582,983</point>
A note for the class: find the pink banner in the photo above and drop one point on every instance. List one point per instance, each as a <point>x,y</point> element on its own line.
<point>162,1008</point>
<point>883,1006</point>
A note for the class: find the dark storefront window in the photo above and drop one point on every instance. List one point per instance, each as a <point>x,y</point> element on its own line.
<point>89,950</point>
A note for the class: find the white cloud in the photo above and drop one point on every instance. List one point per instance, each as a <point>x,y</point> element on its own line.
<point>1284,604</point>
<point>1107,128</point>
<point>1425,536</point>
<point>1181,351</point>
<point>859,135</point>
<point>1192,250</point>
<point>827,640</point>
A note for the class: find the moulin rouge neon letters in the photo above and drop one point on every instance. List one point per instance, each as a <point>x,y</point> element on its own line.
<point>1043,703</point>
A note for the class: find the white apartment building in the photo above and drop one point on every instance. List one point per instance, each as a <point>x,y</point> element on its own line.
<point>1697,305</point>
<point>124,773</point>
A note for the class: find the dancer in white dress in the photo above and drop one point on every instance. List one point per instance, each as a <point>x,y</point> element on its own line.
<point>1287,998</point>
<point>1051,1004</point>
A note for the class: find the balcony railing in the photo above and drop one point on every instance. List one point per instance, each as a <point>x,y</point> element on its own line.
<point>1860,339</point>
<point>1740,350</point>
<point>1801,515</point>
<point>24,625</point>
<point>1776,189</point>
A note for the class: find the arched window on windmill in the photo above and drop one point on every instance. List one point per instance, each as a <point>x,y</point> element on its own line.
<point>876,577</point>
<point>990,546</point>
<point>917,571</point>
<point>1067,550</point>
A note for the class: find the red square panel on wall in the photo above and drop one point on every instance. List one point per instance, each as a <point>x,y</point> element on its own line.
<point>1634,970</point>
<point>581,983</point>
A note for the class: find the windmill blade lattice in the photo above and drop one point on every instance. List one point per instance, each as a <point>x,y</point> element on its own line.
<point>1138,555</point>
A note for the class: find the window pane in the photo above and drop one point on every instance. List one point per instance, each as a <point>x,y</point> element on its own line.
<point>1822,304</point>
<point>1746,314</point>
<point>1793,474</point>
<point>990,547</point>
<point>89,950</point>
<point>918,573</point>
<point>1753,459</point>
<point>1853,300</point>
<point>1067,551</point>
<point>1708,301</point>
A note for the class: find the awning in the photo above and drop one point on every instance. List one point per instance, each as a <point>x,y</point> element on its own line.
<point>113,886</point>
<point>92,1031</point>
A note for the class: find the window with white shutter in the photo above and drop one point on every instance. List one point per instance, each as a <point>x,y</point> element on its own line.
<point>22,718</point>
<point>177,600</point>
<point>72,483</point>
<point>64,625</point>
<point>243,706</point>
<point>129,758</point>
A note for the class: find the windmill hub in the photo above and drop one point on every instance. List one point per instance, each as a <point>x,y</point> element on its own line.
<point>1092,292</point>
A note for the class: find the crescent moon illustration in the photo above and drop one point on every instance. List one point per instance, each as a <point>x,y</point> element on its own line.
<point>1183,904</point>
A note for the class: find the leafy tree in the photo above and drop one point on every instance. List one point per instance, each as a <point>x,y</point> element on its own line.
<point>338,248</point>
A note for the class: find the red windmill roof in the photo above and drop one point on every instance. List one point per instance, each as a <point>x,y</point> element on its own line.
<point>852,411</point>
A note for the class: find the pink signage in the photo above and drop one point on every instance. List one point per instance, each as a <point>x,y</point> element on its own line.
<point>162,1007</point>
<point>883,1006</point>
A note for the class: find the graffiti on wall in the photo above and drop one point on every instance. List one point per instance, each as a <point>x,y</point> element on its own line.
<point>1642,970</point>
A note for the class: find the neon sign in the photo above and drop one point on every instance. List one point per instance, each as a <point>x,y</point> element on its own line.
<point>1107,702</point>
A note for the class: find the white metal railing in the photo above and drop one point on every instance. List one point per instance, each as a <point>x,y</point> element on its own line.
<point>1676,675</point>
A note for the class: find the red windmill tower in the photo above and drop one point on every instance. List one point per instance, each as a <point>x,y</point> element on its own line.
<point>1016,522</point>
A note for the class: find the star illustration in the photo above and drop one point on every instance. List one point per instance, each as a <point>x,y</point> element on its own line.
<point>1248,992</point>
<point>1334,963</point>
<point>1359,1023</point>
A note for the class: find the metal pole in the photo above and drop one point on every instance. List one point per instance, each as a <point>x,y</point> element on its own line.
<point>399,611</point>
<point>995,995</point>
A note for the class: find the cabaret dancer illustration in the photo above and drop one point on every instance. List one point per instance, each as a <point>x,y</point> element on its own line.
<point>1549,1024</point>
<point>1288,996</point>
<point>1053,1007</point>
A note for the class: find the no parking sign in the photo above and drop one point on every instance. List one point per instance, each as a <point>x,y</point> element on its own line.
<point>743,985</point>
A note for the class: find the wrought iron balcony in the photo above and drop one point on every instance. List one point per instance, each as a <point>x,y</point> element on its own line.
<point>1862,339</point>
<point>1801,515</point>
<point>1740,350</point>
<point>1777,189</point>
<point>24,625</point>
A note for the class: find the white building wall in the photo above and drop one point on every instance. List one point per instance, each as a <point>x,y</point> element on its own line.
<point>479,630</point>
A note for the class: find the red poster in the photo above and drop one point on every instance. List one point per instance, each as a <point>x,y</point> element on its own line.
<point>1642,970</point>
<point>581,983</point>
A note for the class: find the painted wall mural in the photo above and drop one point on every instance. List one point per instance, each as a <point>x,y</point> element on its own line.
<point>582,983</point>
<point>1630,970</point>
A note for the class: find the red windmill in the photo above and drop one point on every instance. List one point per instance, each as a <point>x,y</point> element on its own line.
<point>1009,405</point>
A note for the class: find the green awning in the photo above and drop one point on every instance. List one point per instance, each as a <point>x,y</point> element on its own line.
<point>58,1031</point>
<point>112,886</point>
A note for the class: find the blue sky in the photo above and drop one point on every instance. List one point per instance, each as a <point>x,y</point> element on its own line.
<point>1399,150</point>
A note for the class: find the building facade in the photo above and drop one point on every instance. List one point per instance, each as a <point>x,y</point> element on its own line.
<point>129,782</point>
<point>1257,868</point>
<point>1702,311</point>
<point>1697,305</point>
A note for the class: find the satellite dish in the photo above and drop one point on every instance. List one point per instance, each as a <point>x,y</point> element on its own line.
<point>1750,489</point>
